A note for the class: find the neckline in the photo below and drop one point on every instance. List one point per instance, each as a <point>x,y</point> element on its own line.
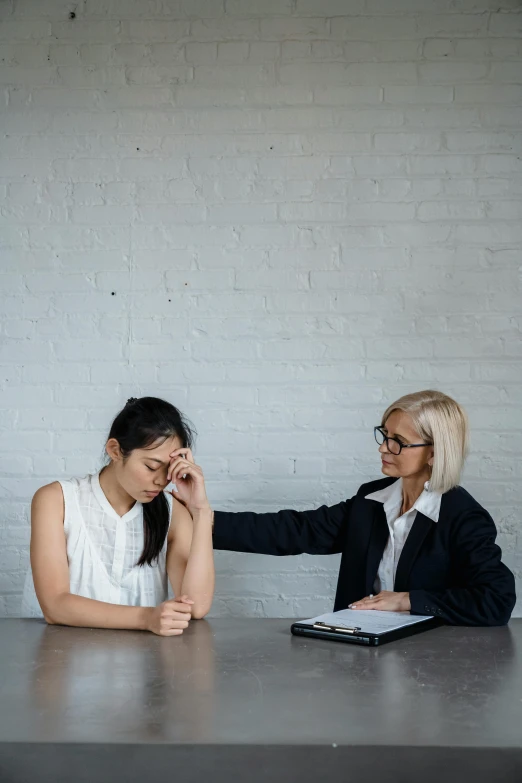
<point>428,502</point>
<point>100,496</point>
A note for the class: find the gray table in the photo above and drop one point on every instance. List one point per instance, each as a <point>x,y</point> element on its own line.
<point>244,700</point>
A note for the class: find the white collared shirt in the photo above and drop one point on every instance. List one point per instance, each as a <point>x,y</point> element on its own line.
<point>103,549</point>
<point>428,503</point>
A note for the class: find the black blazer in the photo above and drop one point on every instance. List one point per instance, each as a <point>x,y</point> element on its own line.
<point>451,568</point>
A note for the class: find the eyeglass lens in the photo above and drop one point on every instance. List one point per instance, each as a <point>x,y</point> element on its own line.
<point>394,447</point>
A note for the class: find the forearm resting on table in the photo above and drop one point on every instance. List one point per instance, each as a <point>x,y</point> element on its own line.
<point>199,577</point>
<point>75,610</point>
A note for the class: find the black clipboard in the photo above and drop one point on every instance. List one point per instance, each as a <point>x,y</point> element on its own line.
<point>357,635</point>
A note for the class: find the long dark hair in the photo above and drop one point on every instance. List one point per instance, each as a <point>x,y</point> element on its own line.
<point>138,425</point>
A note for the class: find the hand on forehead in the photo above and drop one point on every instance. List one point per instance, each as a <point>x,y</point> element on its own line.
<point>162,450</point>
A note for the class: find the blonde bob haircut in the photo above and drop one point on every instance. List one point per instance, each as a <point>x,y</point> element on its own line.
<point>440,420</point>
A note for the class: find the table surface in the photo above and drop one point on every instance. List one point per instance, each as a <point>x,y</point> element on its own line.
<point>248,681</point>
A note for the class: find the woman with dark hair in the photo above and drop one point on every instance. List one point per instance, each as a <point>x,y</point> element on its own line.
<point>104,547</point>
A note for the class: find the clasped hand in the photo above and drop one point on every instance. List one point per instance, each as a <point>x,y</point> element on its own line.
<point>171,617</point>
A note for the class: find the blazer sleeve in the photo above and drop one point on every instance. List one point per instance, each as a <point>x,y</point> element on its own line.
<point>287,532</point>
<point>484,593</point>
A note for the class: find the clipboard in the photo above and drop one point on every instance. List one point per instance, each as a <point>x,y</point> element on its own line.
<point>370,628</point>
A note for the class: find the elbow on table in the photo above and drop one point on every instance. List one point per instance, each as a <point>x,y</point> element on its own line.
<point>51,610</point>
<point>199,611</point>
<point>503,614</point>
<point>495,621</point>
<point>505,603</point>
<point>499,610</point>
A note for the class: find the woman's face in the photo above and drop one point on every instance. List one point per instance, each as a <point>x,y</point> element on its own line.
<point>143,475</point>
<point>410,462</point>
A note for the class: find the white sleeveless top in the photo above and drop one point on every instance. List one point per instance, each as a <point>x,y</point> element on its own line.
<point>103,549</point>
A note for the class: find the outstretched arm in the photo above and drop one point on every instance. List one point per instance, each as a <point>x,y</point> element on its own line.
<point>317,532</point>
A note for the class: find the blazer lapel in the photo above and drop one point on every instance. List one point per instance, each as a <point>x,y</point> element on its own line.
<point>378,538</point>
<point>420,529</point>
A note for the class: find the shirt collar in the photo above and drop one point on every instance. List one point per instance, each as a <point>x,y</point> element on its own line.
<point>99,494</point>
<point>428,502</point>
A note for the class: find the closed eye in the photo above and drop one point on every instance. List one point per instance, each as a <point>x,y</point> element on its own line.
<point>150,468</point>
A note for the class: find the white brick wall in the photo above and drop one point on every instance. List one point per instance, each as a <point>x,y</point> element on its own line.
<point>278,215</point>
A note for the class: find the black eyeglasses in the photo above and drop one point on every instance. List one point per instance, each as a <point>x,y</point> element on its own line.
<point>393,445</point>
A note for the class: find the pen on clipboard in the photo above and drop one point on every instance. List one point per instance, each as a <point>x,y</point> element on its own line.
<point>343,629</point>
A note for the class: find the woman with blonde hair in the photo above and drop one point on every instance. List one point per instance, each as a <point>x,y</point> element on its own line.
<point>414,541</point>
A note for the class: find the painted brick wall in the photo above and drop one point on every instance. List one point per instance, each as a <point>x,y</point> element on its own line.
<point>278,215</point>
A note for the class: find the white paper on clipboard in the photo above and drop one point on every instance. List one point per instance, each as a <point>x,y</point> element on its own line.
<point>368,621</point>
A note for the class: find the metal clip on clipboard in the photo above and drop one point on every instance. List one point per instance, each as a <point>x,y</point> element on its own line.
<point>325,627</point>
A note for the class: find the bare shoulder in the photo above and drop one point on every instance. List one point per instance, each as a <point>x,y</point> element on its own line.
<point>48,497</point>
